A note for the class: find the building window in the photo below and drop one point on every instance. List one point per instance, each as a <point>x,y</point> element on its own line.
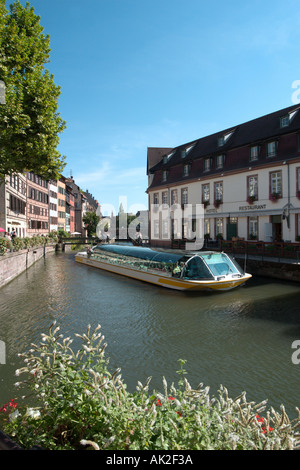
<point>164,175</point>
<point>207,164</point>
<point>207,228</point>
<point>298,182</point>
<point>219,227</point>
<point>254,153</point>
<point>252,188</point>
<point>220,161</point>
<point>271,148</point>
<point>275,185</point>
<point>165,199</point>
<point>205,194</point>
<point>186,169</point>
<point>252,228</point>
<point>218,192</point>
<point>174,196</point>
<point>284,121</point>
<point>184,196</point>
<point>156,199</point>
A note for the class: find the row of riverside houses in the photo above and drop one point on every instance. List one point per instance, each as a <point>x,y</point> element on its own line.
<point>33,206</point>
<point>247,177</point>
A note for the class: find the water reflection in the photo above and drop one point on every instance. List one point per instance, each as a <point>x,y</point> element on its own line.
<point>241,338</point>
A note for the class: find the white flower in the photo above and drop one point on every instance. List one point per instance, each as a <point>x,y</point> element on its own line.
<point>32,413</point>
<point>14,415</point>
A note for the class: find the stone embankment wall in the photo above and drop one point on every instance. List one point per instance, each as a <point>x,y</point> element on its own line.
<point>13,264</point>
<point>272,269</point>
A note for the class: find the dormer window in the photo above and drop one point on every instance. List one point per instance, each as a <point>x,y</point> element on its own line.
<point>220,161</point>
<point>164,175</point>
<point>271,148</point>
<point>254,153</point>
<point>284,121</point>
<point>224,138</point>
<point>207,164</point>
<point>186,169</point>
<point>184,152</point>
<point>287,118</point>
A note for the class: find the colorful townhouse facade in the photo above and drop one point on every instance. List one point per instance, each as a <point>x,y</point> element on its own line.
<point>246,177</point>
<point>13,201</point>
<point>37,205</point>
<point>32,206</point>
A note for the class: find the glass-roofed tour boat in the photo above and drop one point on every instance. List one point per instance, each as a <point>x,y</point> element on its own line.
<point>201,270</point>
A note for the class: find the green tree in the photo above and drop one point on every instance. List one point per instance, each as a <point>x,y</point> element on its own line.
<point>90,220</point>
<point>29,121</point>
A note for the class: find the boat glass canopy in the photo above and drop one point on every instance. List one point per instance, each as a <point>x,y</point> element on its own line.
<point>187,265</point>
<point>139,252</point>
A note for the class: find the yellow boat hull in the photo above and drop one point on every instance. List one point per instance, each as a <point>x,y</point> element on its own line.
<point>164,281</point>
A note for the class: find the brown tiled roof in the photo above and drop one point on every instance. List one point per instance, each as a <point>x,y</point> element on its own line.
<point>258,130</point>
<point>154,155</point>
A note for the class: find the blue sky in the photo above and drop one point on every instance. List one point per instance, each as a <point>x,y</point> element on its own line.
<point>160,73</point>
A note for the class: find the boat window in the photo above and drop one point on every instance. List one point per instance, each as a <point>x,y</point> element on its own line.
<point>140,253</point>
<point>195,268</point>
<point>220,264</point>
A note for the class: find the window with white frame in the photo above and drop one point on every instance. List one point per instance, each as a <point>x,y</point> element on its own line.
<point>206,227</point>
<point>184,196</point>
<point>254,153</point>
<point>156,199</point>
<point>164,175</point>
<point>253,186</point>
<point>219,191</point>
<point>253,228</point>
<point>165,228</point>
<point>156,228</point>
<point>219,161</point>
<point>205,193</point>
<point>207,164</point>
<point>219,226</point>
<point>174,196</point>
<point>271,148</point>
<point>284,121</point>
<point>276,183</point>
<point>186,169</point>
<point>165,198</point>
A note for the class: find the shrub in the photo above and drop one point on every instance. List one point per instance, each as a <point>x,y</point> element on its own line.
<point>18,244</point>
<point>5,245</point>
<point>77,400</point>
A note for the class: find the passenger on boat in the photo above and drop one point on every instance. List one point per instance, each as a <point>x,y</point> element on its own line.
<point>176,271</point>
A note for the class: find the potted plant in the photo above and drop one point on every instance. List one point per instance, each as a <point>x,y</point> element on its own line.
<point>274,196</point>
<point>217,202</point>
<point>205,203</point>
<point>251,199</point>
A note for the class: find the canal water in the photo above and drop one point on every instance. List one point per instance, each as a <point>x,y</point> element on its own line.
<point>241,338</point>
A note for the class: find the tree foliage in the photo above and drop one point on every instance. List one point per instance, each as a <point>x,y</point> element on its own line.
<point>91,220</point>
<point>29,121</point>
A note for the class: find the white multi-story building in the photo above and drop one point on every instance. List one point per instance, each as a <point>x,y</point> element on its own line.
<point>53,223</point>
<point>13,204</point>
<point>246,177</point>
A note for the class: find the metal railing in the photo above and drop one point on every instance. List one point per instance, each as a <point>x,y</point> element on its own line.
<point>262,250</point>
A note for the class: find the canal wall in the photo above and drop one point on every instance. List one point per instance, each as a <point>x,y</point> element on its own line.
<point>285,270</point>
<point>14,263</point>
